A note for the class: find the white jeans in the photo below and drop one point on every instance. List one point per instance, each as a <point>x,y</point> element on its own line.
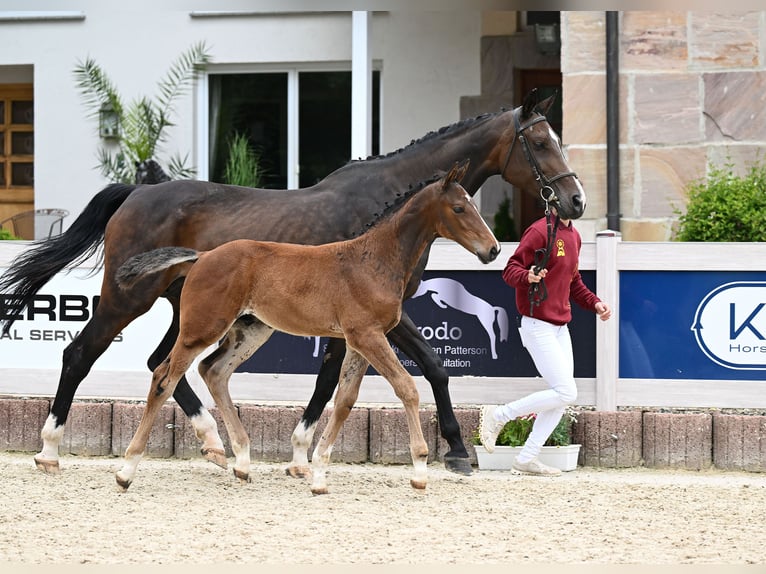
<point>551,349</point>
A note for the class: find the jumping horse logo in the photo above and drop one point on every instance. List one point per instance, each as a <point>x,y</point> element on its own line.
<point>450,293</point>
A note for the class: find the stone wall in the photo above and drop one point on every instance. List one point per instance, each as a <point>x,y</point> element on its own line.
<point>692,92</point>
<point>609,439</point>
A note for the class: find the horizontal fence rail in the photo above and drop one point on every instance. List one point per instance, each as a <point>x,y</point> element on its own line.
<point>691,271</point>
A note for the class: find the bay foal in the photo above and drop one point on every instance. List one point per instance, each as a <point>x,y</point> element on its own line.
<point>243,290</point>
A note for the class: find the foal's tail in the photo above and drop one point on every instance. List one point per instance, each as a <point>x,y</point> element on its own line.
<point>33,268</point>
<point>152,261</point>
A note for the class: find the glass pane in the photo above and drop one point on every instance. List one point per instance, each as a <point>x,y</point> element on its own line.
<point>22,143</point>
<point>22,174</point>
<point>2,112</point>
<point>254,105</point>
<point>324,101</point>
<point>2,143</point>
<point>22,112</point>
<point>2,174</point>
<point>325,123</point>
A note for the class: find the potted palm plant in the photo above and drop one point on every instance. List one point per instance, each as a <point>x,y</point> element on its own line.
<point>139,127</point>
<point>558,451</point>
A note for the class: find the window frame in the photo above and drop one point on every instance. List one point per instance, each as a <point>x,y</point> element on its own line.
<point>293,70</point>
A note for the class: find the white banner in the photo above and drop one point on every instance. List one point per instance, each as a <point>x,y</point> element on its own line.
<point>60,311</point>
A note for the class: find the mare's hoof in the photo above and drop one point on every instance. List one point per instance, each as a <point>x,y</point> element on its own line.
<point>123,483</point>
<point>216,456</point>
<point>418,484</point>
<point>322,490</point>
<point>298,471</point>
<point>458,465</point>
<point>244,477</point>
<point>47,466</point>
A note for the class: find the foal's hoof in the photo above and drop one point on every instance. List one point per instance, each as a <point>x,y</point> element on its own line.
<point>244,477</point>
<point>418,484</point>
<point>123,483</point>
<point>216,456</point>
<point>298,471</point>
<point>47,466</point>
<point>458,465</point>
<point>319,490</point>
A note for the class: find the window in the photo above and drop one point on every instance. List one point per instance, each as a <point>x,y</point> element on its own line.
<point>17,143</point>
<point>299,118</point>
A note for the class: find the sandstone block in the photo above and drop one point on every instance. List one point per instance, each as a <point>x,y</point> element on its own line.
<point>674,440</point>
<point>739,442</point>
<point>88,430</point>
<point>610,439</point>
<point>21,421</point>
<point>390,439</point>
<point>270,429</point>
<point>125,420</point>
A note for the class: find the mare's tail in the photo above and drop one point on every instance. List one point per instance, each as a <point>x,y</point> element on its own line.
<point>152,261</point>
<point>33,268</point>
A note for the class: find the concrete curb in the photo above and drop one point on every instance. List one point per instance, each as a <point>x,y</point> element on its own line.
<point>619,439</point>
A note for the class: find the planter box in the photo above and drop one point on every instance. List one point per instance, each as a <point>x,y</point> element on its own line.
<point>562,457</point>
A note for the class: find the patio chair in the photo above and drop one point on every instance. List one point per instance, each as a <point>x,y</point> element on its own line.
<point>36,222</point>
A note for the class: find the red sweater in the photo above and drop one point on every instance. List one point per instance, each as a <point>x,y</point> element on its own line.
<point>563,280</point>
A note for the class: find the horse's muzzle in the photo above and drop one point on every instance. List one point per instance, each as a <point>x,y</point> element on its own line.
<point>490,255</point>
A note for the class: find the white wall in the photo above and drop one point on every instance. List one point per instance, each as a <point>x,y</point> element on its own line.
<point>429,59</point>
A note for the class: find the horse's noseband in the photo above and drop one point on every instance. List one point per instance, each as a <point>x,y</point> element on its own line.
<point>546,185</point>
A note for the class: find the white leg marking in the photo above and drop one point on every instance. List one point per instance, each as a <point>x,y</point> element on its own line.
<point>206,430</point>
<point>128,470</point>
<point>301,440</point>
<point>51,435</point>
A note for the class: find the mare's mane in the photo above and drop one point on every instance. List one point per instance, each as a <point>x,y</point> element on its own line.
<point>400,200</point>
<point>457,126</point>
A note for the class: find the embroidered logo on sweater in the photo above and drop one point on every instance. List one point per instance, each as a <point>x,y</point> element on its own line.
<point>560,248</point>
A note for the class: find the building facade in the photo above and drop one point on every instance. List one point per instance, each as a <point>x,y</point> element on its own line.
<point>691,93</point>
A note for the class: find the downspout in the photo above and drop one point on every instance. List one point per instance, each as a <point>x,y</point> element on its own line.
<point>612,121</point>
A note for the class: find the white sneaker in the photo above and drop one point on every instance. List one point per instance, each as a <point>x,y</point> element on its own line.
<point>535,467</point>
<point>489,428</point>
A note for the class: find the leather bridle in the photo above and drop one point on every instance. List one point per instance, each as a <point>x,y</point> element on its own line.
<point>540,177</point>
<point>538,291</point>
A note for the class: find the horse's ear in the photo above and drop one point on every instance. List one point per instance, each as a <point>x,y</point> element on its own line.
<point>451,176</point>
<point>546,104</point>
<point>462,170</point>
<point>530,103</point>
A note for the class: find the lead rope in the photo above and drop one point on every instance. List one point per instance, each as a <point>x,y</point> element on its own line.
<point>538,292</point>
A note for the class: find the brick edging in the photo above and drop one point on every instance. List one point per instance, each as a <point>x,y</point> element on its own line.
<point>619,439</point>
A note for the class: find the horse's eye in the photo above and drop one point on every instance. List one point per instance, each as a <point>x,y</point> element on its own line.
<point>458,209</point>
<point>539,145</point>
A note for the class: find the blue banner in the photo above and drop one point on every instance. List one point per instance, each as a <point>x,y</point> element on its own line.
<point>470,320</point>
<point>692,325</point>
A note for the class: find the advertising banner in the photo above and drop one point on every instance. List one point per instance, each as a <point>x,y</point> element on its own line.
<point>693,325</point>
<point>470,320</point>
<point>40,333</point>
<point>468,317</point>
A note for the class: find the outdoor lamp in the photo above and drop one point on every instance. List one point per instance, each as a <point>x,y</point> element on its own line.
<point>108,122</point>
<point>548,39</point>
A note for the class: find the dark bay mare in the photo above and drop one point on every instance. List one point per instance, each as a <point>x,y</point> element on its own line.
<point>518,144</point>
<point>243,290</point>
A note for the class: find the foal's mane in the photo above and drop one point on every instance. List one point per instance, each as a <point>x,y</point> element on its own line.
<point>400,200</point>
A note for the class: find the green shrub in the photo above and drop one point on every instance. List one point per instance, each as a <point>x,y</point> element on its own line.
<point>6,234</point>
<point>726,207</point>
<point>504,230</point>
<point>243,164</point>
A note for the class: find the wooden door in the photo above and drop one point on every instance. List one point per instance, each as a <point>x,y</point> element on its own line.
<point>16,149</point>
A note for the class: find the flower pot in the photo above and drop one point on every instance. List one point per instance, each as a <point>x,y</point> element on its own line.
<point>561,457</point>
